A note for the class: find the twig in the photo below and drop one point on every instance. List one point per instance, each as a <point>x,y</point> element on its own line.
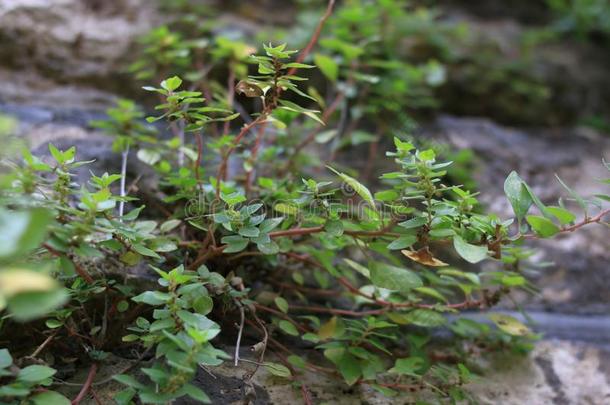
<point>255,149</point>
<point>86,385</point>
<point>230,97</point>
<point>596,219</point>
<point>222,168</point>
<point>44,344</point>
<point>123,192</point>
<point>315,36</point>
<point>241,330</point>
<point>77,267</point>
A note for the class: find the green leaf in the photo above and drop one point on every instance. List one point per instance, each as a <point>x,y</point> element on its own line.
<point>542,226</point>
<point>171,83</point>
<point>196,393</point>
<point>144,251</point>
<point>169,225</point>
<point>282,304</point>
<point>403,242</point>
<point>129,381</point>
<point>348,365</point>
<point>509,324</point>
<point>152,298</point>
<point>413,223</point>
<point>288,328</point>
<point>5,358</point>
<point>407,366</point>
<point>326,136</point>
<point>278,370</point>
<point>249,231</point>
<point>50,398</point>
<point>203,304</point>
<point>22,231</point>
<point>564,216</point>
<point>426,318</point>
<point>394,278</point>
<point>359,188</point>
<point>470,253</point>
<point>334,227</point>
<point>234,243</point>
<point>268,248</point>
<point>35,373</point>
<point>386,195</point>
<point>431,292</point>
<point>581,202</point>
<point>148,156</point>
<point>327,65</point>
<point>518,195</point>
<point>30,305</point>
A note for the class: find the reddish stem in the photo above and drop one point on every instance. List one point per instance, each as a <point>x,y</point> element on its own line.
<point>77,267</point>
<point>315,36</point>
<point>596,219</point>
<point>86,385</point>
<point>255,149</point>
<point>230,97</point>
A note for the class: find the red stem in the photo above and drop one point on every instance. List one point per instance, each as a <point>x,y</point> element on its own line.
<point>230,97</point>
<point>86,385</point>
<point>77,267</point>
<point>596,219</point>
<point>315,36</point>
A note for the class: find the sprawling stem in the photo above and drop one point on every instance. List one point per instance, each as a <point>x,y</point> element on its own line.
<point>123,191</point>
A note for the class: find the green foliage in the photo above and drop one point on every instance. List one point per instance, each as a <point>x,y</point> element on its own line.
<point>238,232</point>
<point>581,17</point>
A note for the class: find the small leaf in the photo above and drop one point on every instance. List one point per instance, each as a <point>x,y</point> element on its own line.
<point>328,329</point>
<point>542,226</point>
<point>249,231</point>
<point>278,369</point>
<point>509,324</point>
<point>144,251</point>
<point>413,223</point>
<point>334,227</point>
<point>35,373</point>
<point>5,358</point>
<point>171,83</point>
<point>564,216</point>
<point>431,292</point>
<point>403,242</point>
<point>282,304</point>
<point>50,398</point>
<point>407,366</point>
<point>470,253</point>
<point>358,187</point>
<point>288,328</point>
<point>394,278</point>
<point>517,195</point>
<point>169,225</point>
<point>327,65</point>
<point>426,318</point>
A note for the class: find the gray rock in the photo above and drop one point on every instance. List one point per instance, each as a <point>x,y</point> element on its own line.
<point>72,39</point>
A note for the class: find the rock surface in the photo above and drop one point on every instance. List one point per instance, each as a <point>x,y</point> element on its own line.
<point>71,39</point>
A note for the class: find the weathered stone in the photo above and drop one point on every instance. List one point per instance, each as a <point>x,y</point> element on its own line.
<point>72,39</point>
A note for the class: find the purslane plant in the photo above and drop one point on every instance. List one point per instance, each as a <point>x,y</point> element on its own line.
<point>363,276</point>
